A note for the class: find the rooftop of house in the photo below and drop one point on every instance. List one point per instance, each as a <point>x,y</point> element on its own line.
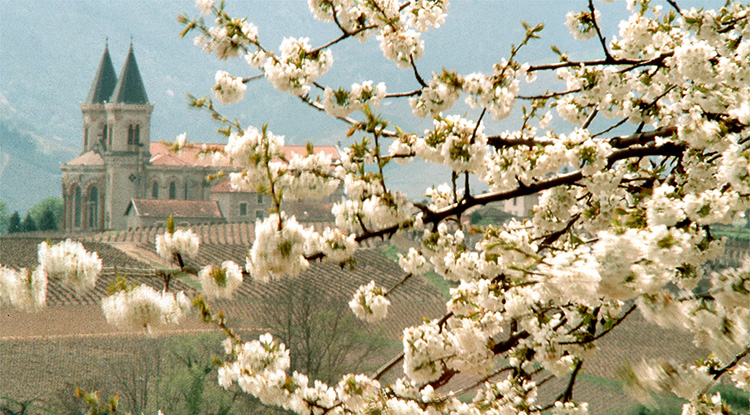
<point>213,154</point>
<point>162,208</point>
<point>89,158</point>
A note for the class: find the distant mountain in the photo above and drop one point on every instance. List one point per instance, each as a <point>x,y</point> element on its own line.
<point>29,164</point>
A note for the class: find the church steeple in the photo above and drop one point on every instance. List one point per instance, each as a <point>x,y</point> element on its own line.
<point>129,88</point>
<point>104,81</point>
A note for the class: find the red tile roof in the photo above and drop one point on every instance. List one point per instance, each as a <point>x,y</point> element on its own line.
<point>176,208</point>
<point>223,187</point>
<point>161,155</point>
<point>89,158</point>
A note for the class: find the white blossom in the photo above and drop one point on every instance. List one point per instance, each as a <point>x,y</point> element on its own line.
<point>369,303</point>
<point>180,242</point>
<point>220,281</point>
<point>69,262</point>
<point>401,46</point>
<point>23,289</point>
<point>296,68</point>
<point>279,248</point>
<point>413,262</point>
<point>581,24</point>
<point>205,6</point>
<point>145,308</point>
<point>229,89</point>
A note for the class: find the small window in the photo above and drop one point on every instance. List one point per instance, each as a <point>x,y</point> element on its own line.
<point>137,134</point>
<point>130,135</point>
<point>260,199</point>
<point>187,187</point>
<point>259,214</point>
<point>243,209</point>
<point>85,137</point>
<point>173,190</point>
<point>155,190</point>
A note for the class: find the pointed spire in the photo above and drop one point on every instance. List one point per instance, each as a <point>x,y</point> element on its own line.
<point>130,89</point>
<point>104,81</point>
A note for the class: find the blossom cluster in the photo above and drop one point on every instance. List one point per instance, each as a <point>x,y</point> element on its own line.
<point>297,66</point>
<point>23,289</point>
<point>220,281</point>
<point>69,262</point>
<point>144,308</point>
<point>228,88</point>
<point>279,248</point>
<point>66,261</point>
<point>369,303</point>
<point>229,38</point>
<point>180,242</point>
<point>341,103</point>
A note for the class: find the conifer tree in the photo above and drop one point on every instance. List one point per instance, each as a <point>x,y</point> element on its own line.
<point>14,223</point>
<point>48,222</point>
<point>28,224</point>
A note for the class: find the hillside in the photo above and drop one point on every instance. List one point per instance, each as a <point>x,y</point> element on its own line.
<point>29,165</point>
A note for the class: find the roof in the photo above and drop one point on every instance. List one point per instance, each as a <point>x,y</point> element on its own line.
<point>89,158</point>
<point>129,88</point>
<point>162,208</point>
<point>161,155</point>
<point>104,81</point>
<point>223,186</point>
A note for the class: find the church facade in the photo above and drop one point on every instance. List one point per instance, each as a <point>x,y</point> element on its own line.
<point>119,169</point>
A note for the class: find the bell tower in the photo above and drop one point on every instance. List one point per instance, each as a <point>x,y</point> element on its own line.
<point>128,123</point>
<point>94,114</point>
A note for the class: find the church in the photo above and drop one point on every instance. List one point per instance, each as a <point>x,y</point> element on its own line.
<point>123,180</point>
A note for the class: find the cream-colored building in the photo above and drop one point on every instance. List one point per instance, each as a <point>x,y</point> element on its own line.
<point>119,167</point>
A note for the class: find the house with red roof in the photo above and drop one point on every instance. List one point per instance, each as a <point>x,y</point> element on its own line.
<point>122,179</point>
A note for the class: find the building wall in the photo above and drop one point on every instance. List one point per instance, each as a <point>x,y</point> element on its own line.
<point>521,206</point>
<point>84,189</point>
<point>255,205</point>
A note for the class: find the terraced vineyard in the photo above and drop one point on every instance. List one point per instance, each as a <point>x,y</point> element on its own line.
<point>69,341</point>
<point>43,355</point>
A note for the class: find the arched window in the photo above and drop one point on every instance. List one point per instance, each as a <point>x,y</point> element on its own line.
<point>93,212</point>
<point>173,190</point>
<point>85,137</point>
<point>155,190</point>
<point>77,208</point>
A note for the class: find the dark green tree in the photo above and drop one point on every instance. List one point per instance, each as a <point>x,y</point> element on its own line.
<point>4,217</point>
<point>48,222</point>
<point>14,223</point>
<point>52,203</point>
<point>28,224</point>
